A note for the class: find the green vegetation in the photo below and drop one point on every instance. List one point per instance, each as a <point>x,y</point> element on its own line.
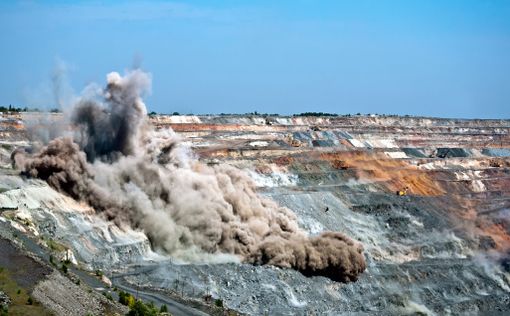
<point>138,307</point>
<point>152,113</point>
<point>64,268</point>
<point>21,303</point>
<point>11,108</point>
<point>315,114</point>
<point>141,309</point>
<point>255,113</point>
<point>4,311</point>
<point>126,299</point>
<point>14,109</point>
<point>99,273</point>
<point>108,296</point>
<point>55,246</point>
<point>218,302</point>
<point>7,146</point>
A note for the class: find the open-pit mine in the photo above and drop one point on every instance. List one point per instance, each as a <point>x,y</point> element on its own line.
<point>260,214</point>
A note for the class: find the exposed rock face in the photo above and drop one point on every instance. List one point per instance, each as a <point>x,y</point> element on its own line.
<point>440,248</point>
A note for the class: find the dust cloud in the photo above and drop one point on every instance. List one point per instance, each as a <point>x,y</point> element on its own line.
<point>138,176</point>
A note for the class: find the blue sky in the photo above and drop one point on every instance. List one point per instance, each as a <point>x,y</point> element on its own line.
<point>432,58</point>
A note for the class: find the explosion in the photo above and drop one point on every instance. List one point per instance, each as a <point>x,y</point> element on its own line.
<point>147,179</point>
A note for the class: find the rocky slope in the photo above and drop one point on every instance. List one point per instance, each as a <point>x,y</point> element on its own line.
<point>440,248</point>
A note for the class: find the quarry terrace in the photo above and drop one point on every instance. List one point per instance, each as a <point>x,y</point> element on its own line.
<point>428,198</point>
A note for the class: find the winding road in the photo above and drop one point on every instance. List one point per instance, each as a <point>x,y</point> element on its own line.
<point>174,307</point>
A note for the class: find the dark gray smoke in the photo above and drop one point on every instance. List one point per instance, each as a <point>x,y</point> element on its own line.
<point>110,131</point>
<point>137,176</point>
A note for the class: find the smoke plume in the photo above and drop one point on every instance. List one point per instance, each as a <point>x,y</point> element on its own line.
<point>145,178</point>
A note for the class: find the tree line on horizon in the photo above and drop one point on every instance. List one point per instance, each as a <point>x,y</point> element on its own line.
<point>255,113</point>
<point>15,109</point>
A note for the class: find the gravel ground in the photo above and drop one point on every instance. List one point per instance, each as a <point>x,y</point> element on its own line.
<point>62,297</point>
